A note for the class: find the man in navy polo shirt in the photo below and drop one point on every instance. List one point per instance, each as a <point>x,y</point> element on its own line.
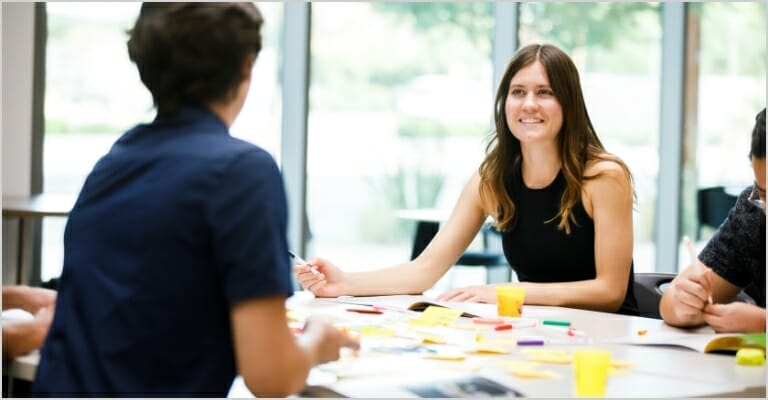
<point>176,264</point>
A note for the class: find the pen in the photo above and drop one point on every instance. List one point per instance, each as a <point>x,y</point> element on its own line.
<point>692,253</point>
<point>301,261</point>
<point>555,322</point>
<point>530,342</point>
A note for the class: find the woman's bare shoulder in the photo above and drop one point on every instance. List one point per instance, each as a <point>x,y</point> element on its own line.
<point>609,167</point>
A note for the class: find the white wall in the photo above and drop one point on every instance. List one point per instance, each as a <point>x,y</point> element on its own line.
<point>18,44</point>
<point>18,37</point>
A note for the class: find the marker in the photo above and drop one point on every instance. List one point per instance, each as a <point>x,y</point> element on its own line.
<point>299,260</point>
<point>502,327</point>
<point>555,322</point>
<point>692,253</point>
<point>530,342</point>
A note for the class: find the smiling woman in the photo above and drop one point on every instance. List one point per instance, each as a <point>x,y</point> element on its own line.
<point>535,113</point>
<point>548,182</point>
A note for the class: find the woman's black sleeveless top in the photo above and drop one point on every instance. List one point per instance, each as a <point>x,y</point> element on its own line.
<point>539,252</point>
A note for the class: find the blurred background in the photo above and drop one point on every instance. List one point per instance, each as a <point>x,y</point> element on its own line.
<point>399,103</point>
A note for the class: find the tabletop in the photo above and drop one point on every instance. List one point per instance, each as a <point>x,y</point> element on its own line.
<point>648,371</point>
<point>654,371</point>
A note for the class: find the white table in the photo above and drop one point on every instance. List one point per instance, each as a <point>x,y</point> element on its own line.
<point>659,372</point>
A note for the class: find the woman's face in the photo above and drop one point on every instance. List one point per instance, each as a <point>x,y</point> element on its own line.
<point>532,110</point>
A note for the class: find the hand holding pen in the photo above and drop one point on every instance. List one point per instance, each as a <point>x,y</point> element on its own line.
<point>697,264</point>
<point>301,261</point>
<point>322,277</point>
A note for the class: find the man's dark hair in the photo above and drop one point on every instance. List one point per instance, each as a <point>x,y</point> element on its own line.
<point>193,53</point>
<point>758,137</point>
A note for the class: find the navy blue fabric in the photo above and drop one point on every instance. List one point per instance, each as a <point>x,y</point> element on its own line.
<point>539,252</point>
<point>737,250</point>
<point>174,225</point>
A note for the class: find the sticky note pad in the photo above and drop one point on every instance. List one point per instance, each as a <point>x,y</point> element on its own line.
<point>441,315</point>
<point>750,357</point>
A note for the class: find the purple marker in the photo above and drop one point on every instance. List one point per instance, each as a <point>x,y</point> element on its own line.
<point>530,342</point>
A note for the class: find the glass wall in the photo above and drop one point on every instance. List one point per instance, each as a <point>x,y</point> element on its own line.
<point>729,72</point>
<point>93,94</point>
<point>400,103</point>
<point>617,50</point>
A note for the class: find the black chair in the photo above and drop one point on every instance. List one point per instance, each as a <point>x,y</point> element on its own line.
<point>649,286</point>
<point>492,257</point>
<point>713,205</point>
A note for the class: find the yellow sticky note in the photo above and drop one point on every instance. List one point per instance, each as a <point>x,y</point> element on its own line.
<point>491,350</point>
<point>373,331</point>
<point>533,374</point>
<point>446,356</point>
<point>748,356</point>
<point>434,339</point>
<point>551,358</point>
<point>420,322</point>
<point>621,364</point>
<point>440,315</point>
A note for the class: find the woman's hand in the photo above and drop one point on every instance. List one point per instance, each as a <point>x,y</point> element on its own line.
<point>328,281</point>
<point>735,317</point>
<point>475,294</point>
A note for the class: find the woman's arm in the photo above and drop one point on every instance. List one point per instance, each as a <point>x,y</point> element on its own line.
<point>414,276</point>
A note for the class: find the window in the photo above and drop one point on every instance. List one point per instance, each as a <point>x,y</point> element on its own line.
<point>730,86</point>
<point>617,50</point>
<point>93,94</point>
<point>401,100</point>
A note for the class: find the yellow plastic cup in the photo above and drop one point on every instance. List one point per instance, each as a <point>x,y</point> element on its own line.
<point>590,368</point>
<point>509,300</point>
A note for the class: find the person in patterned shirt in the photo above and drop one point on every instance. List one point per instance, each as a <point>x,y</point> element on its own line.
<point>734,259</point>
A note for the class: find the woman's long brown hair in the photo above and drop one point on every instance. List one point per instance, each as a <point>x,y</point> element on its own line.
<point>577,141</point>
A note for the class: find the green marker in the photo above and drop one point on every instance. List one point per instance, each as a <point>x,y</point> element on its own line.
<point>556,323</point>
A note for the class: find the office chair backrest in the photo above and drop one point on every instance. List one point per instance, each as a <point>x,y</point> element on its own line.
<point>713,204</point>
<point>649,286</point>
<point>491,257</point>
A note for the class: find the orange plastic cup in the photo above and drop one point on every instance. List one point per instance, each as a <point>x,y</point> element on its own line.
<point>509,300</point>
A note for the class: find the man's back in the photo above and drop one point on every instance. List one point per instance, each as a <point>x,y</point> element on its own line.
<point>177,222</point>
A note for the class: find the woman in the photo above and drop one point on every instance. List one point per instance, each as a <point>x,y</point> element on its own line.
<point>175,257</point>
<point>562,203</point>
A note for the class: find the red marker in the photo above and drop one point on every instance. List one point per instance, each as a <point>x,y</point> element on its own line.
<point>503,327</point>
